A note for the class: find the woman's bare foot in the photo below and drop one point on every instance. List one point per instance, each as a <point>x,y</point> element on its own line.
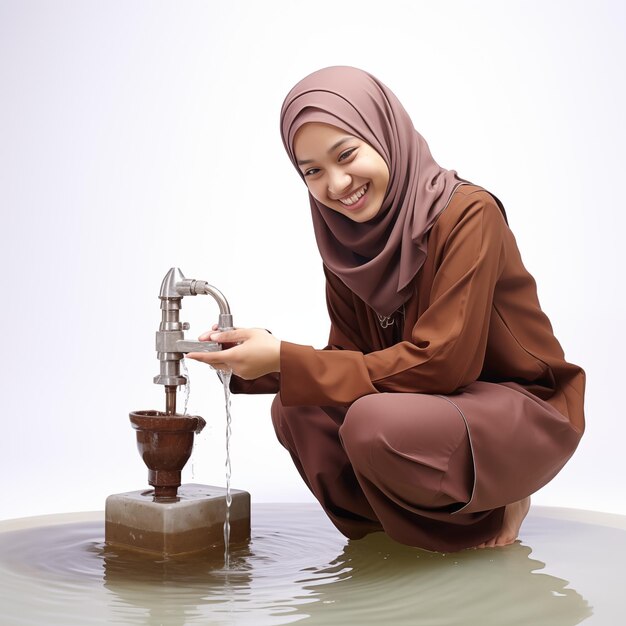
<point>514,515</point>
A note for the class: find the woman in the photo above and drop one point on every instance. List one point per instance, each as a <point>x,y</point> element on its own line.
<point>443,400</point>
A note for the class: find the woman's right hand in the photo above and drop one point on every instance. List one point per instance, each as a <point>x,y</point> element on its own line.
<point>206,337</point>
<point>247,352</point>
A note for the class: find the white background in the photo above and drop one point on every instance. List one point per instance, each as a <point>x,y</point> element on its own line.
<point>137,136</point>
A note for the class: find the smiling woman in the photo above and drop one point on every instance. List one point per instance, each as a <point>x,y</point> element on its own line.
<point>349,177</point>
<point>443,399</point>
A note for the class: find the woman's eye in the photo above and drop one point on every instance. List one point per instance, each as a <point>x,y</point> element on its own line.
<point>311,171</point>
<point>346,154</point>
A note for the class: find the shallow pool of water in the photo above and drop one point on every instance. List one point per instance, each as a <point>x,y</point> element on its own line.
<point>567,569</point>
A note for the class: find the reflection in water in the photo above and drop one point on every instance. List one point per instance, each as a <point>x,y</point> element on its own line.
<point>469,587</point>
<point>176,590</point>
<point>295,568</point>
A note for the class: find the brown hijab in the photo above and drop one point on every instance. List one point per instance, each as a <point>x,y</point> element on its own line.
<point>377,259</point>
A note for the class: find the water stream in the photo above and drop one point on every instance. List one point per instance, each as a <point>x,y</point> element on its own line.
<point>225,376</point>
<point>226,380</point>
<point>187,385</point>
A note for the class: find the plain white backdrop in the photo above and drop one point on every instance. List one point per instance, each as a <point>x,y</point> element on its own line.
<point>138,136</point>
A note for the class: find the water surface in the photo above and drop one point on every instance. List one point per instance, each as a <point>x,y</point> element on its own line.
<point>298,568</point>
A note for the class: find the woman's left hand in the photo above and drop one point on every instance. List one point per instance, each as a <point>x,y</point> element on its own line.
<point>257,352</point>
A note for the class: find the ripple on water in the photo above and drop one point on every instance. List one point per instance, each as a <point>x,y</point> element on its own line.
<point>296,567</point>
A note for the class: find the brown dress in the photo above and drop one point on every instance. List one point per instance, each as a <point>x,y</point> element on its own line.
<point>427,428</point>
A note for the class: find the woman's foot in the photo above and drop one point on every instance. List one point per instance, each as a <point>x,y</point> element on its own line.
<point>514,515</point>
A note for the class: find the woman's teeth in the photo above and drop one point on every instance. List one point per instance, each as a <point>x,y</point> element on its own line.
<point>355,197</point>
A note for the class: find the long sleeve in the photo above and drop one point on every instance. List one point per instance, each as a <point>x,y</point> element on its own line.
<point>448,340</point>
<point>269,383</point>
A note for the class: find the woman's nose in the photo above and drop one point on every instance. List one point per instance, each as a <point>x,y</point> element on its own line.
<point>338,184</point>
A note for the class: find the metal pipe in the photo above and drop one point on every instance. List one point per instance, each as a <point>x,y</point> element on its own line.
<point>190,287</point>
<point>170,399</point>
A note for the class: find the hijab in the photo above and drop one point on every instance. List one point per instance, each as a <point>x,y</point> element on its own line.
<point>377,259</point>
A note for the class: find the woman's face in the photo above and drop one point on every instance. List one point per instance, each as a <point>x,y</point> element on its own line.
<point>341,171</point>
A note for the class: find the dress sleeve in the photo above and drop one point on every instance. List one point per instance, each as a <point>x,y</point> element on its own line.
<point>268,383</point>
<point>448,341</point>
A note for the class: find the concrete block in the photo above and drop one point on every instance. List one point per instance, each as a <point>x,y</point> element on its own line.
<point>192,522</point>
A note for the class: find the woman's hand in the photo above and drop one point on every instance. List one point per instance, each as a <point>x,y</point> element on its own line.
<point>256,352</point>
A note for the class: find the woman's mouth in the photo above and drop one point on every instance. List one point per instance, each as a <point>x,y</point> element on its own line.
<point>357,199</point>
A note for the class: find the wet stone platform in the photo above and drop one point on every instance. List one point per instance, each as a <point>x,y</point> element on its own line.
<point>191,522</point>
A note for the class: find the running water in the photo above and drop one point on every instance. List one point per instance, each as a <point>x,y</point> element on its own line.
<point>187,385</point>
<point>225,376</point>
<point>187,391</point>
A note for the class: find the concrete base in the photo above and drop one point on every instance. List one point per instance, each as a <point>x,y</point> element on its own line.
<point>192,522</point>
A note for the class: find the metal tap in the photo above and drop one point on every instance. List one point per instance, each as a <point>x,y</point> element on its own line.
<point>171,344</point>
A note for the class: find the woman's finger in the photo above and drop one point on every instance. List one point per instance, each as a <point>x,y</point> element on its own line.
<point>207,335</point>
<point>229,336</point>
<point>212,358</point>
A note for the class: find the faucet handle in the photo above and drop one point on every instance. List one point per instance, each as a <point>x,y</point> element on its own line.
<point>197,346</point>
